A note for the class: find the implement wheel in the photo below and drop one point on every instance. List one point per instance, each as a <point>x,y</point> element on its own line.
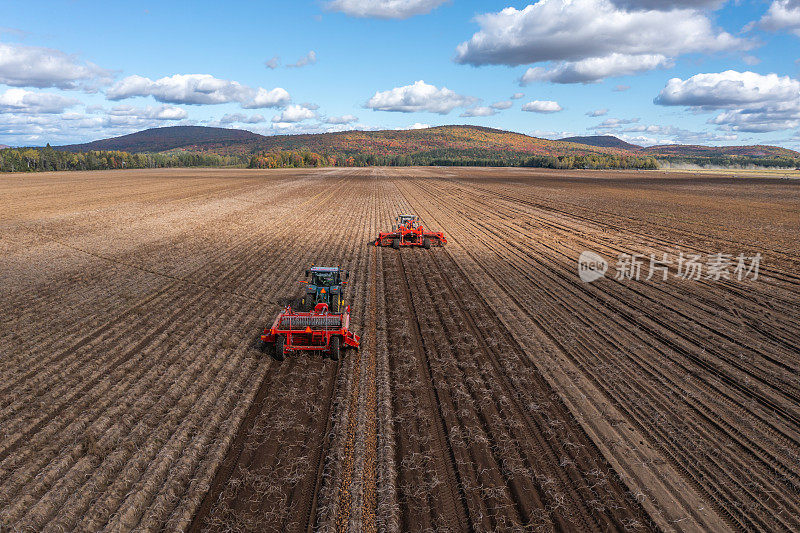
<point>426,243</point>
<point>336,348</point>
<point>396,244</point>
<point>279,342</point>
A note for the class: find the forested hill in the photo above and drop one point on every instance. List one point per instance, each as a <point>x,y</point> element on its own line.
<point>154,140</point>
<point>605,141</point>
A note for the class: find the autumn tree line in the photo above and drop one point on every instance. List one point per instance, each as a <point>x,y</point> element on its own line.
<point>49,159</point>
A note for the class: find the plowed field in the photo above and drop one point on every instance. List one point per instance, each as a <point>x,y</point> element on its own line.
<point>493,390</point>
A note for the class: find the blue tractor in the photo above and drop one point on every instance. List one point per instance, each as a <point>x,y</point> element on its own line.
<point>325,286</point>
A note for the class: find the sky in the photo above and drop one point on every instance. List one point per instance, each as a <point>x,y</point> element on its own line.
<point>648,71</point>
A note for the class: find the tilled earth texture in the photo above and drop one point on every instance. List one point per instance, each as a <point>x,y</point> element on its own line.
<point>494,390</point>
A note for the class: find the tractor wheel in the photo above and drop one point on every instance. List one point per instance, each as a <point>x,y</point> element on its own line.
<point>426,243</point>
<point>333,307</point>
<point>396,244</point>
<point>336,347</point>
<point>262,346</point>
<point>279,342</point>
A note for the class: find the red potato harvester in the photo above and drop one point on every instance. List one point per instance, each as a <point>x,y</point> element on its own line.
<point>409,232</point>
<point>316,330</point>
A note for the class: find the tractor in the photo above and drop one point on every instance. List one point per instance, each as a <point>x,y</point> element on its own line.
<point>408,231</point>
<point>325,286</point>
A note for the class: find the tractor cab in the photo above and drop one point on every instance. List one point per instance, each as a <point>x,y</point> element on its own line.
<point>407,221</point>
<point>325,286</point>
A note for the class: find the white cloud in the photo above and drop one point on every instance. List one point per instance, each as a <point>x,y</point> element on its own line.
<point>594,69</point>
<point>517,96</point>
<point>343,119</point>
<point>164,112</point>
<point>782,15</point>
<point>597,113</point>
<point>590,39</point>
<point>729,89</point>
<point>309,59</point>
<point>621,88</point>
<point>198,89</point>
<point>233,118</point>
<point>418,126</point>
<point>479,111</point>
<point>749,102</point>
<point>384,9</point>
<point>33,66</point>
<point>294,113</point>
<point>504,104</point>
<point>419,97</point>
<point>660,5</point>
<point>611,123</point>
<point>542,106</point>
<point>273,62</point>
<point>20,101</point>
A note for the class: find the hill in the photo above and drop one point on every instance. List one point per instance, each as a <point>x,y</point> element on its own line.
<point>603,141</point>
<point>199,138</point>
<point>437,145</point>
<point>689,150</point>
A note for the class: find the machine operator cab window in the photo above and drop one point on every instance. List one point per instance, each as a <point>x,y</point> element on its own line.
<point>323,279</point>
<point>409,221</point>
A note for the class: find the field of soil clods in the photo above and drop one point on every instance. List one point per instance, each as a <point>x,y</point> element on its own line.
<point>493,389</point>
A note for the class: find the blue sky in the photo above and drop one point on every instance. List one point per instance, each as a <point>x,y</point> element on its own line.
<point>691,71</point>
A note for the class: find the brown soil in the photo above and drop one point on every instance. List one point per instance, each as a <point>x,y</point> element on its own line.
<point>493,389</point>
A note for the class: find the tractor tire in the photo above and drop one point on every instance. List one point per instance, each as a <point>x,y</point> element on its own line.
<point>426,243</point>
<point>336,347</point>
<point>263,347</point>
<point>396,244</point>
<point>333,307</point>
<point>279,342</point>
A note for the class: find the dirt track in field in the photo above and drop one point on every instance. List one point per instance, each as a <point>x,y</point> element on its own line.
<point>493,389</point>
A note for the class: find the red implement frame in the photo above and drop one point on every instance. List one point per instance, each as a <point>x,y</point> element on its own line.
<point>410,235</point>
<point>311,331</point>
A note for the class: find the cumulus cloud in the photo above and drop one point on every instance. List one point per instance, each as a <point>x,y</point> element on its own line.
<point>648,134</point>
<point>611,123</point>
<point>309,59</point>
<point>594,69</point>
<point>294,113</point>
<point>198,89</point>
<point>542,106</point>
<point>164,112</point>
<point>20,101</point>
<point>597,113</point>
<point>782,15</point>
<point>343,119</point>
<point>384,9</point>
<point>273,62</point>
<point>419,96</point>
<point>504,104</point>
<point>667,6</point>
<point>729,88</point>
<point>418,126</point>
<point>590,39</point>
<point>479,111</point>
<point>233,118</point>
<point>33,66</point>
<point>750,102</point>
<point>621,88</point>
<point>517,96</point>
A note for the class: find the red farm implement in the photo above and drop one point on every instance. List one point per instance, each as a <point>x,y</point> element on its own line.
<point>409,232</point>
<point>317,330</point>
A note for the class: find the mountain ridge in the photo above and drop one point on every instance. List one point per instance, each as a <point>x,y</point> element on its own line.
<point>464,140</point>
